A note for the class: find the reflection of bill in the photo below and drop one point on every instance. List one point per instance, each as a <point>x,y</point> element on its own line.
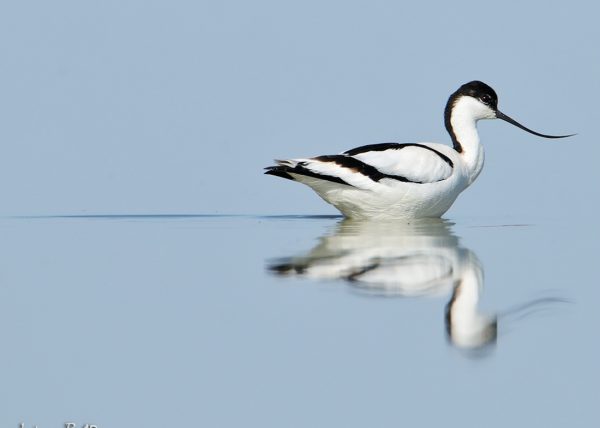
<point>422,258</point>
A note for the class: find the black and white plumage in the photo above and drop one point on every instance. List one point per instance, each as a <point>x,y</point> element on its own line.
<point>421,258</point>
<point>412,180</point>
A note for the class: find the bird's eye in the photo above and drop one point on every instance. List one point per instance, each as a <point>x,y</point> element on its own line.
<point>486,99</point>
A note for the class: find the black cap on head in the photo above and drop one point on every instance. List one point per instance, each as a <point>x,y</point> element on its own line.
<point>475,89</point>
<point>479,90</point>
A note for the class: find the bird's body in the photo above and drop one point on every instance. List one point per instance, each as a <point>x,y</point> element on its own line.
<point>384,180</point>
<point>411,180</point>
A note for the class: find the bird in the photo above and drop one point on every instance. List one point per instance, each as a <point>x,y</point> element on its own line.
<point>405,180</point>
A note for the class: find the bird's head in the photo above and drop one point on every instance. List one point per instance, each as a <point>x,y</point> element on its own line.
<point>475,101</point>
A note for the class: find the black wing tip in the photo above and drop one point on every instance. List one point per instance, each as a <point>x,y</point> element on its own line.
<point>284,171</point>
<point>279,171</point>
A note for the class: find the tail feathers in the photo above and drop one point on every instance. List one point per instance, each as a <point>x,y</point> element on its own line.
<point>279,171</point>
<point>285,168</point>
<point>286,162</point>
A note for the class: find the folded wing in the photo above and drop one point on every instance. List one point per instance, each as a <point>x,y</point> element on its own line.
<point>367,166</point>
<point>417,163</point>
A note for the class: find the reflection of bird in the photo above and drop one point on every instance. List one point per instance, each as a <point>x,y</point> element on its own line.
<point>418,259</point>
<point>405,180</point>
<point>384,258</point>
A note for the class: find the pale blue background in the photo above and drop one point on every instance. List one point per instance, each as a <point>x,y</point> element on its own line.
<point>147,107</point>
<point>173,106</point>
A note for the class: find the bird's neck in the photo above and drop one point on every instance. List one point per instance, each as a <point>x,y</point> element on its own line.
<point>462,127</point>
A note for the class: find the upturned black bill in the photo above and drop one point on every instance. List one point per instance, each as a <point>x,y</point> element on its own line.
<point>500,115</point>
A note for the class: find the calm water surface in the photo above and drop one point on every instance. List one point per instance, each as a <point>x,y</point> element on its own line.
<point>298,321</point>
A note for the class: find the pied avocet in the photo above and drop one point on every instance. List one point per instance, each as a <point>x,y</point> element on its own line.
<point>405,180</point>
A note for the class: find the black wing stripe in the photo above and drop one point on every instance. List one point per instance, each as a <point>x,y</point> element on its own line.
<point>284,172</point>
<point>396,146</point>
<point>362,168</point>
